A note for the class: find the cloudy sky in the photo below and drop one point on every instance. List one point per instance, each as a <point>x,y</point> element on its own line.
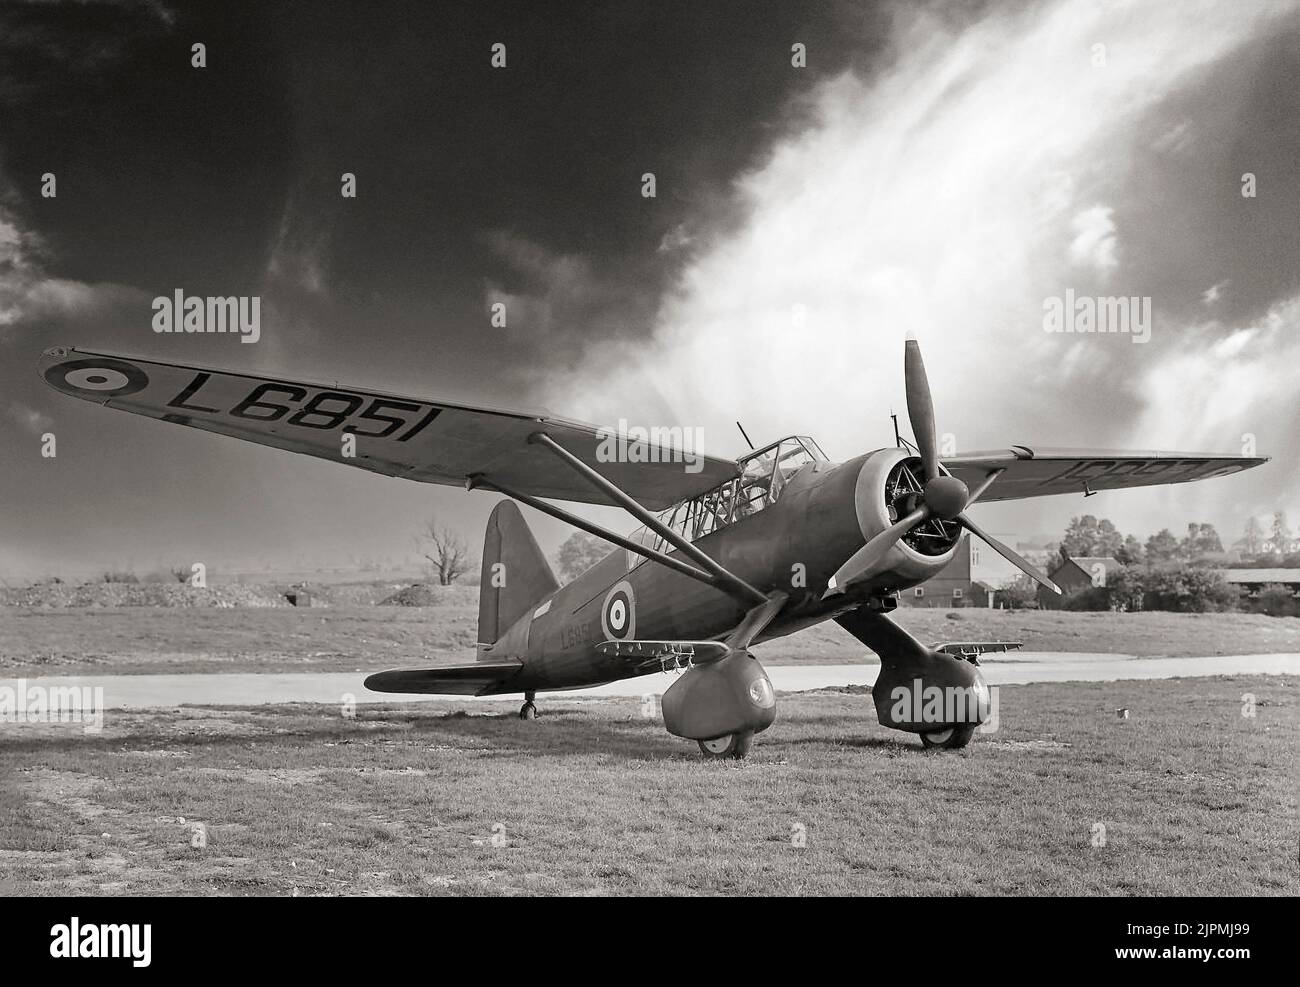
<point>940,169</point>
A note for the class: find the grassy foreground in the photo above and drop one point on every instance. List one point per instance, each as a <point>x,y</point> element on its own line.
<point>366,638</point>
<point>595,798</point>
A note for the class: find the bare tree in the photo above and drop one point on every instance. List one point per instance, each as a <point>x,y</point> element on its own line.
<point>446,551</point>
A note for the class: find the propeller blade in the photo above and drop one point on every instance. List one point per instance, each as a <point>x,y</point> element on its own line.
<point>1008,553</point>
<point>920,408</point>
<point>873,551</point>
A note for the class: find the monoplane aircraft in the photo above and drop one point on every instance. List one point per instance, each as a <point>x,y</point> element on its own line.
<point>726,556</point>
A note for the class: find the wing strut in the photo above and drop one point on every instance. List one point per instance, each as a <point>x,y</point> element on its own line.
<point>732,584</point>
<point>483,483</point>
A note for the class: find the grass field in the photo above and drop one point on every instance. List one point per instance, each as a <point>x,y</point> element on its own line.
<point>366,638</point>
<point>594,798</point>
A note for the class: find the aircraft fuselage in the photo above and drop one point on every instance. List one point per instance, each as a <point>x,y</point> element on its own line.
<point>794,545</point>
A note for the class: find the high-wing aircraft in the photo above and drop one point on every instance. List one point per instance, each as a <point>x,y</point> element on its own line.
<point>729,555</point>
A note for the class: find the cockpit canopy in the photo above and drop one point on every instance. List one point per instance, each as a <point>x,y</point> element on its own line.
<point>765,471</point>
<point>763,475</point>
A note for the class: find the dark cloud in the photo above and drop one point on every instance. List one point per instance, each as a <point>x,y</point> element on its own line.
<point>524,184</point>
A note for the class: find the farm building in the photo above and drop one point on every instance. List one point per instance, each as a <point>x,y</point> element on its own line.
<point>975,572</point>
<point>1251,581</point>
<point>1076,573</point>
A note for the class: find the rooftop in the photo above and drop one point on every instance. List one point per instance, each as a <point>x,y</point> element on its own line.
<point>1262,575</point>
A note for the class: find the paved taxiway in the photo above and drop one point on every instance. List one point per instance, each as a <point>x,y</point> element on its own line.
<point>1017,668</point>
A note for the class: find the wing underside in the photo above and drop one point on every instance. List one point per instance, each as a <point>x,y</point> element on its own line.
<point>414,438</point>
<point>1045,472</point>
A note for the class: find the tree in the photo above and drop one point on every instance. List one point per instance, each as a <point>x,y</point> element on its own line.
<point>1092,598</point>
<point>1081,537</point>
<point>1281,539</point>
<point>1188,589</point>
<point>1253,542</point>
<point>1201,540</point>
<point>1021,594</point>
<point>1088,536</point>
<point>1109,540</point>
<point>1276,600</point>
<point>446,551</point>
<point>1130,553</point>
<point>1161,547</point>
<point>579,553</point>
<point>1122,592</point>
<point>1126,589</point>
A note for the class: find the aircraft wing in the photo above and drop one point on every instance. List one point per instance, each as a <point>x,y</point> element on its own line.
<point>415,438</point>
<point>1044,472</point>
<point>477,678</point>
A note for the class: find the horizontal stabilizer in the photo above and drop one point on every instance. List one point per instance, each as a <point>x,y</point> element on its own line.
<point>477,678</point>
<point>648,654</point>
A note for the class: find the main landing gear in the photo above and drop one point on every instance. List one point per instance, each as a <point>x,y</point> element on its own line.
<point>731,745</point>
<point>528,711</point>
<point>954,738</point>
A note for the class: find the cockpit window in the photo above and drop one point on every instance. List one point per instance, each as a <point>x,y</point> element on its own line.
<point>814,449</point>
<point>763,476</point>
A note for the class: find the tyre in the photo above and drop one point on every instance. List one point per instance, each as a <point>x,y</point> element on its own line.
<point>952,739</point>
<point>732,745</point>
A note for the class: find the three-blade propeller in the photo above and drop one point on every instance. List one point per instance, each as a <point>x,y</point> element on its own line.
<point>943,497</point>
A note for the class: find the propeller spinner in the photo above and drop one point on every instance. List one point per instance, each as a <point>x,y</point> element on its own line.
<point>943,497</point>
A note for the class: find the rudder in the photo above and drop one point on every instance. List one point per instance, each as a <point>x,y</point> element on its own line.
<point>506,593</point>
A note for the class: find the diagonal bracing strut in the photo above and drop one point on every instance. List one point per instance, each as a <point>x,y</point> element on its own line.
<point>478,482</point>
<point>733,584</point>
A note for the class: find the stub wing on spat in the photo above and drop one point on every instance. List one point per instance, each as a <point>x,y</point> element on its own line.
<point>970,650</point>
<point>660,655</point>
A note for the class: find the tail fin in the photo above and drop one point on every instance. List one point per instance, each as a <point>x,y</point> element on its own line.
<point>515,573</point>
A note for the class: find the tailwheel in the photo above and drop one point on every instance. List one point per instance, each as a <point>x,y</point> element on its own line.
<point>952,739</point>
<point>731,745</point>
<point>528,711</point>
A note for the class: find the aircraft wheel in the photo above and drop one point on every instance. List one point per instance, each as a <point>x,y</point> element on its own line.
<point>528,711</point>
<point>952,739</point>
<point>733,745</point>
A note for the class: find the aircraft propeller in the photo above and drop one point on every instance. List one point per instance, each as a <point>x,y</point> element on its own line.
<point>943,497</point>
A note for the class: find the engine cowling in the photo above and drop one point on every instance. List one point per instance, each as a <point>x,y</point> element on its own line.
<point>887,488</point>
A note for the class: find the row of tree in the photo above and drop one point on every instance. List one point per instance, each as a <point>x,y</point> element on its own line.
<point>1167,572</point>
<point>1090,536</point>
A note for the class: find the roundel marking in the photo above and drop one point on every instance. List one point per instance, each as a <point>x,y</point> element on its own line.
<point>618,613</point>
<point>99,376</point>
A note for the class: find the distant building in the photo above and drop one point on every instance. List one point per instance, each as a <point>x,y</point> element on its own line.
<point>1076,573</point>
<point>975,572</point>
<point>1251,581</point>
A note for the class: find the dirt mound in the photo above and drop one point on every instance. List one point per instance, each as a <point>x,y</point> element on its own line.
<point>384,594</point>
<point>142,595</point>
<point>431,595</point>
